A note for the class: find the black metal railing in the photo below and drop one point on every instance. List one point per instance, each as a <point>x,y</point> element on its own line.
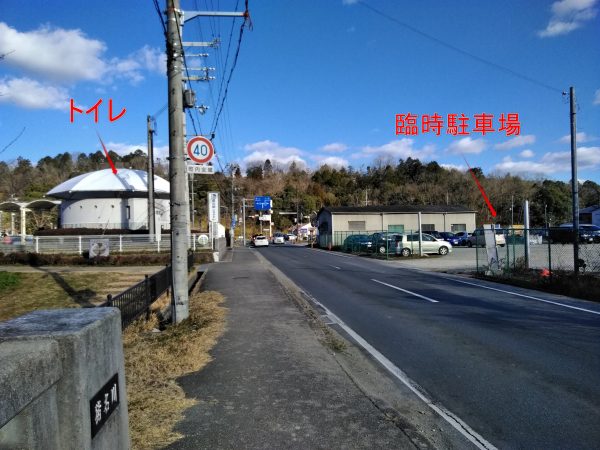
<point>136,301</point>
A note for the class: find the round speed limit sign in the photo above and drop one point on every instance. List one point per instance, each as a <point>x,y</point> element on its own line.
<point>200,150</point>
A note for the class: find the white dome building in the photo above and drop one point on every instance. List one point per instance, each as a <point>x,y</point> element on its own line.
<point>106,200</point>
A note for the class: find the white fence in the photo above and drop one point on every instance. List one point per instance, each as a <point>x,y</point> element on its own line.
<point>117,243</point>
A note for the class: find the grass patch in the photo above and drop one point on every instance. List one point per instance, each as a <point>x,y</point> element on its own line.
<point>52,290</point>
<point>8,280</point>
<point>583,286</point>
<point>153,362</point>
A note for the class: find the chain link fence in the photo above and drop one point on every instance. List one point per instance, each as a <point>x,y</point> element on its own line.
<point>385,243</point>
<point>542,250</point>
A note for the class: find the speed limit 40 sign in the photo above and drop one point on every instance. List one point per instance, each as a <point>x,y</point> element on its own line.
<point>200,150</point>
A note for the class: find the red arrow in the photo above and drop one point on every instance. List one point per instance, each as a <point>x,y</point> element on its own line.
<point>112,166</point>
<point>485,197</point>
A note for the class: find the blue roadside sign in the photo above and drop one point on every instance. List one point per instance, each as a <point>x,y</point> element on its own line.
<point>262,203</point>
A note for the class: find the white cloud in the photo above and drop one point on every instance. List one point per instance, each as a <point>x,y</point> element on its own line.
<point>334,147</point>
<point>277,154</point>
<point>597,97</point>
<point>65,56</point>
<point>588,158</point>
<point>459,167</point>
<point>527,154</point>
<point>467,145</point>
<point>31,94</point>
<point>332,161</point>
<point>517,141</point>
<point>403,148</point>
<point>582,137</point>
<point>53,53</point>
<point>568,15</point>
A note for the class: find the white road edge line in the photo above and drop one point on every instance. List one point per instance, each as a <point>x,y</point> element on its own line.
<point>335,267</point>
<point>448,416</point>
<point>525,296</point>
<point>405,290</point>
<point>339,255</point>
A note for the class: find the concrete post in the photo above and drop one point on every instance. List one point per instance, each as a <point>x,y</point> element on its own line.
<point>23,223</point>
<point>177,169</point>
<point>79,358</point>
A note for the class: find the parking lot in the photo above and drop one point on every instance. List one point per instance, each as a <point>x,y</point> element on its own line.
<point>464,259</point>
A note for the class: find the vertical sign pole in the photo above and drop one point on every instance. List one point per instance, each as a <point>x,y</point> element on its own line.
<point>177,170</point>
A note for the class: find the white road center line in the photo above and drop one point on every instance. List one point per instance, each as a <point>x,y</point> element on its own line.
<point>448,416</point>
<point>335,267</point>
<point>525,296</point>
<point>406,290</point>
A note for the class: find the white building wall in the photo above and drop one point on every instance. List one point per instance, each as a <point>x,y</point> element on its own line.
<point>111,213</point>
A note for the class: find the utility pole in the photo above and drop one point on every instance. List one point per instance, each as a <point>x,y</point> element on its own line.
<point>151,213</point>
<point>177,169</point>
<point>512,211</point>
<point>574,181</point>
<point>232,233</point>
<point>244,218</point>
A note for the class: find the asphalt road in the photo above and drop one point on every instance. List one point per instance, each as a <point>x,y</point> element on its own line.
<point>521,372</point>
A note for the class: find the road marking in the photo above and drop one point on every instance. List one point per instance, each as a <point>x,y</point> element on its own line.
<point>405,290</point>
<point>525,296</point>
<point>335,267</point>
<point>448,416</point>
<point>333,253</point>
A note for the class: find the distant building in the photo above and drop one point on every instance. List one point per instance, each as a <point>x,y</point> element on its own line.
<point>591,214</point>
<point>337,222</point>
<point>105,200</point>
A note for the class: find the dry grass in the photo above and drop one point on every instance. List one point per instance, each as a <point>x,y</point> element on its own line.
<point>50,290</point>
<point>153,362</point>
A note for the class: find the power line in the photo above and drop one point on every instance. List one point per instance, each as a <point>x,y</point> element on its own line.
<point>13,141</point>
<point>235,59</point>
<point>160,16</point>
<point>461,51</point>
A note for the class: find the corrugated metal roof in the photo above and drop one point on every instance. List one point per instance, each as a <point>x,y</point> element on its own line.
<point>589,209</point>
<point>398,209</point>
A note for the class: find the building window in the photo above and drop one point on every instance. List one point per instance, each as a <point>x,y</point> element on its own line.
<point>128,212</point>
<point>428,227</point>
<point>456,227</point>
<point>356,225</point>
<point>396,228</point>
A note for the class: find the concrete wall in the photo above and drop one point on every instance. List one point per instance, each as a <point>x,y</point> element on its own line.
<point>125,213</point>
<point>53,364</point>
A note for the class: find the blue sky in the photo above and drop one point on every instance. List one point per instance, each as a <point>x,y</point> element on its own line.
<point>316,81</point>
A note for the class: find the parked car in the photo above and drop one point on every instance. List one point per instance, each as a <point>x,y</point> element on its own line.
<point>384,242</point>
<point>261,241</point>
<point>409,244</point>
<point>477,238</point>
<point>291,237</point>
<point>357,243</point>
<point>451,238</point>
<point>564,234</point>
<point>462,236</point>
<point>437,235</point>
<point>278,238</point>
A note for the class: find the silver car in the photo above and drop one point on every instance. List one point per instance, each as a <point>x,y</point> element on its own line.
<point>409,244</point>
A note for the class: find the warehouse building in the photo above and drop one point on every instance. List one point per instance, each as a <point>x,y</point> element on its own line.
<point>334,223</point>
<point>106,200</point>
